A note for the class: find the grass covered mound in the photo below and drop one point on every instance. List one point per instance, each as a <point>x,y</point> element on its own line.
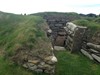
<point>23,36</point>
<point>24,41</point>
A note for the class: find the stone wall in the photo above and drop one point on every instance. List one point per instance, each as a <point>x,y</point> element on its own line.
<point>46,65</point>
<point>92,49</point>
<point>39,58</point>
<point>74,38</point>
<point>58,33</point>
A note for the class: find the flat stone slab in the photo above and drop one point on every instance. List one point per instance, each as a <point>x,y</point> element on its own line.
<point>96,57</point>
<point>59,48</point>
<point>86,54</point>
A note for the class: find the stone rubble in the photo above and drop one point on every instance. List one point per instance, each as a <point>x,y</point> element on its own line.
<point>47,65</point>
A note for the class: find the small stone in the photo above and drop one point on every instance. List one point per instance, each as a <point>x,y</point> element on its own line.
<point>49,31</point>
<point>59,48</point>
<point>86,53</point>
<point>33,61</point>
<point>50,62</point>
<point>48,67</point>
<point>49,71</point>
<point>52,71</point>
<point>25,65</point>
<point>30,64</point>
<point>46,71</point>
<point>54,59</point>
<point>41,66</point>
<point>42,63</point>
<point>48,58</point>
<point>33,67</point>
<point>39,70</point>
<point>52,48</point>
<point>96,57</point>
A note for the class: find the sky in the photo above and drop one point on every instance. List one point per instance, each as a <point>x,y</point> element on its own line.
<point>34,6</point>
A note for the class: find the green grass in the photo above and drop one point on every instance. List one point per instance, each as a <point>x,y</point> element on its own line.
<point>17,31</point>
<point>75,64</point>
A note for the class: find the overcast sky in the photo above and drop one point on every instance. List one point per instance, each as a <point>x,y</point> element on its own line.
<point>33,6</point>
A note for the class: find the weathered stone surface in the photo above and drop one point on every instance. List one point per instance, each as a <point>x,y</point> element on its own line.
<point>51,59</point>
<point>42,63</point>
<point>96,38</point>
<point>70,39</point>
<point>39,70</point>
<point>25,65</point>
<point>94,51</point>
<point>33,61</point>
<point>59,48</point>
<point>59,41</point>
<point>50,31</point>
<point>71,26</point>
<point>41,66</point>
<point>86,54</point>
<point>93,46</point>
<point>48,64</point>
<point>33,67</point>
<point>51,71</point>
<point>58,32</point>
<point>74,36</point>
<point>30,64</point>
<point>48,67</point>
<point>48,58</point>
<point>96,57</point>
<point>54,59</point>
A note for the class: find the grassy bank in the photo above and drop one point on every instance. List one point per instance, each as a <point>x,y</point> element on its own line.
<point>19,32</point>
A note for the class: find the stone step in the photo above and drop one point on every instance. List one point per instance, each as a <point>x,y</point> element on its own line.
<point>59,48</point>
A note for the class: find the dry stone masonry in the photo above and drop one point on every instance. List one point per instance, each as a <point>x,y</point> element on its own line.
<point>57,31</point>
<point>73,38</point>
<point>46,65</point>
<point>41,61</point>
<point>91,48</point>
<point>40,58</point>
